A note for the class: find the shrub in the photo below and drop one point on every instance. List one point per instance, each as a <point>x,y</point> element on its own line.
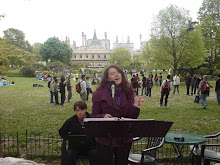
<point>28,72</point>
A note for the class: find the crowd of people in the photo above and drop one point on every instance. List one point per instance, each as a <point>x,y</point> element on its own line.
<point>107,150</point>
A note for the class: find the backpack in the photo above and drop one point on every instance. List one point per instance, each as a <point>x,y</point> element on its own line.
<point>78,87</point>
<point>166,86</point>
<point>206,88</point>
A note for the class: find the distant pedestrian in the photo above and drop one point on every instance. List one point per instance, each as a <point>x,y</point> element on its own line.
<point>69,89</point>
<point>217,89</point>
<point>156,79</point>
<point>50,86</point>
<point>55,89</point>
<point>193,84</point>
<point>77,76</point>
<point>149,85</point>
<point>204,88</point>
<point>137,81</point>
<point>165,91</point>
<point>88,88</point>
<point>176,83</point>
<point>134,84</point>
<point>144,80</point>
<point>187,81</point>
<point>160,78</point>
<point>83,92</point>
<point>62,86</point>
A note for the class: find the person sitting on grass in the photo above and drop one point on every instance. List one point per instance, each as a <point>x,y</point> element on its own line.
<point>74,126</point>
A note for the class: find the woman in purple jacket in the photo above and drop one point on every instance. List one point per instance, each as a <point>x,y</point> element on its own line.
<point>123,105</point>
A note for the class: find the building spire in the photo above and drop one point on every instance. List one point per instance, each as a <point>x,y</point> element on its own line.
<point>94,36</point>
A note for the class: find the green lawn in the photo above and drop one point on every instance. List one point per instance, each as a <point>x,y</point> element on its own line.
<point>24,106</point>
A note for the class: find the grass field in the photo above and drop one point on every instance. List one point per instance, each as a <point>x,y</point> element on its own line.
<point>24,106</point>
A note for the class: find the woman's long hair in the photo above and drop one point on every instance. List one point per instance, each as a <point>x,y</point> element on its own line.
<point>127,88</point>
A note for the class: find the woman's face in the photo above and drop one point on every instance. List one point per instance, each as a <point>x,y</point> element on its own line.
<point>114,75</point>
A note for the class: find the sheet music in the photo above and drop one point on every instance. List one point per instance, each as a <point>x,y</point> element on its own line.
<point>115,119</point>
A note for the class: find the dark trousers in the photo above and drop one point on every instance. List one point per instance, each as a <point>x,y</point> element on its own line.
<point>193,90</point>
<point>69,95</point>
<point>62,98</point>
<point>73,155</point>
<point>106,153</point>
<point>187,88</point>
<point>89,90</point>
<point>56,97</point>
<point>51,97</point>
<point>149,92</point>
<point>166,97</point>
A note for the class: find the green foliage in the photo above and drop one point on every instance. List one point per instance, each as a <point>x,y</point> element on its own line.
<point>17,38</point>
<point>13,55</point>
<point>171,45</point>
<point>203,70</point>
<point>121,57</point>
<point>56,50</point>
<point>57,66</point>
<point>209,16</point>
<point>28,72</point>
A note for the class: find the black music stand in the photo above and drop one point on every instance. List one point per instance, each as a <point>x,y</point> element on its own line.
<point>114,128</point>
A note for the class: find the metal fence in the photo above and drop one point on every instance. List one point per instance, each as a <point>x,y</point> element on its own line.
<point>47,144</point>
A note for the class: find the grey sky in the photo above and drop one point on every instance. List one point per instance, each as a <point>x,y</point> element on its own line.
<point>41,19</point>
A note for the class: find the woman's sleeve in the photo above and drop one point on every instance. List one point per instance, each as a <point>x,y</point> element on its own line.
<point>96,107</point>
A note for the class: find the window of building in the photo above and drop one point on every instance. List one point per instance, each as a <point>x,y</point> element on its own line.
<point>80,55</point>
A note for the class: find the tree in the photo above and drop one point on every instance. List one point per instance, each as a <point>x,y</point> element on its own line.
<point>56,50</point>
<point>13,55</point>
<point>209,16</point>
<point>17,38</point>
<point>121,57</point>
<point>171,45</point>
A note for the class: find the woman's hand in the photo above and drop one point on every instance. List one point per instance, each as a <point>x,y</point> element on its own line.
<point>107,116</point>
<point>138,101</point>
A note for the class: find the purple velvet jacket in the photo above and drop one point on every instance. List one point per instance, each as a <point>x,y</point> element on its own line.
<point>123,107</point>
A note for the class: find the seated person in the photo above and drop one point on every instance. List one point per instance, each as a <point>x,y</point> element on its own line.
<point>75,126</point>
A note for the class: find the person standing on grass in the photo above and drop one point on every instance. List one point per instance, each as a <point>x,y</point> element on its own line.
<point>165,91</point>
<point>156,79</point>
<point>217,89</point>
<point>134,84</point>
<point>199,79</point>
<point>88,88</point>
<point>204,88</point>
<point>137,81</point>
<point>144,80</point>
<point>193,84</point>
<point>62,86</point>
<point>187,81</point>
<point>160,78</point>
<point>69,88</point>
<point>149,85</point>
<point>176,83</point>
<point>50,86</point>
<point>83,93</point>
<point>55,90</point>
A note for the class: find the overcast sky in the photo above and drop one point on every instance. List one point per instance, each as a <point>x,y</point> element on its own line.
<point>41,19</point>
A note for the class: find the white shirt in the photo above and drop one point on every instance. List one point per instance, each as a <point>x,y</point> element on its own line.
<point>176,80</point>
<point>83,86</point>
